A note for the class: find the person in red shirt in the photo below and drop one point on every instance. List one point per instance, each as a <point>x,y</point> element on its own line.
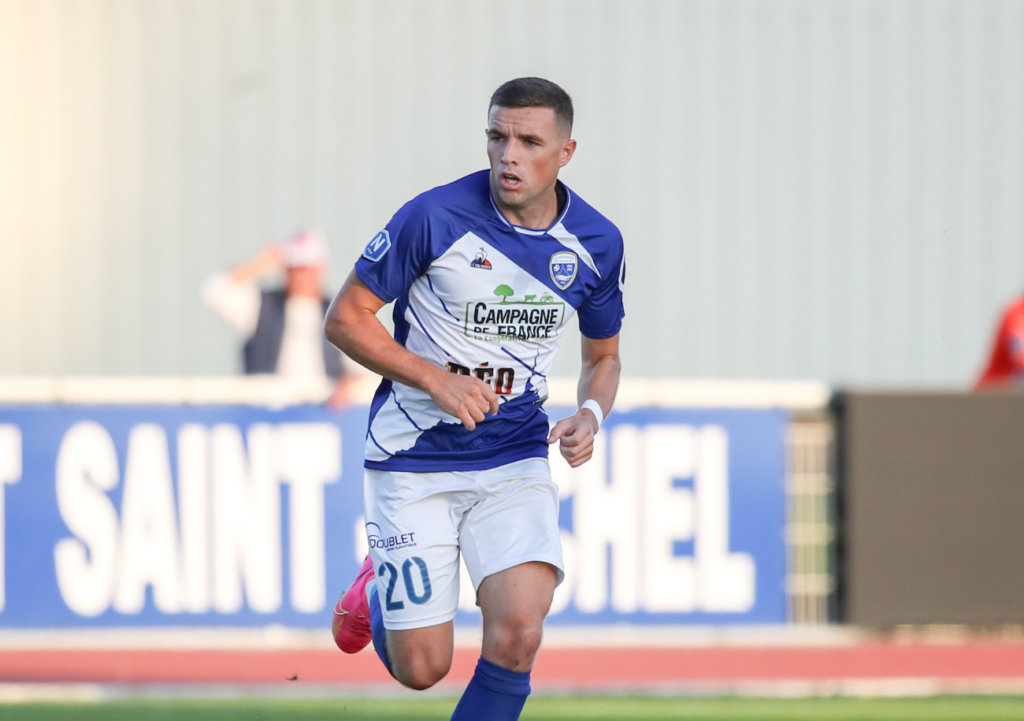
<point>1006,363</point>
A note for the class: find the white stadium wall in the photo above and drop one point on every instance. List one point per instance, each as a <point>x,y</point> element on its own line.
<point>823,188</point>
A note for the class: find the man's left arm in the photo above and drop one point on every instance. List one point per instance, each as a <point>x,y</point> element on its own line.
<point>599,381</point>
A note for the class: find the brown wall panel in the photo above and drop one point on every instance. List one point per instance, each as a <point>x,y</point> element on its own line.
<point>932,508</point>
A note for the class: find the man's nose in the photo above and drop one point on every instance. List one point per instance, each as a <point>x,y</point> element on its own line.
<point>510,154</point>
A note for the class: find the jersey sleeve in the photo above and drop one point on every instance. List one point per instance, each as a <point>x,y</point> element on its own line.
<point>398,254</point>
<point>601,314</point>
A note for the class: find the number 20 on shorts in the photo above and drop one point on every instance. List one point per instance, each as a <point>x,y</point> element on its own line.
<point>391,572</point>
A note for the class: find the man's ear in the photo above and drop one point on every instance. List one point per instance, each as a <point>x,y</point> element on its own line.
<point>567,152</point>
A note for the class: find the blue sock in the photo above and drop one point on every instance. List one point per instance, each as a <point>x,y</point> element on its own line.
<point>377,628</point>
<point>494,693</point>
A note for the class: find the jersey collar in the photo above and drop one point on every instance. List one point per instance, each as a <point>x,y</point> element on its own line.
<point>532,231</point>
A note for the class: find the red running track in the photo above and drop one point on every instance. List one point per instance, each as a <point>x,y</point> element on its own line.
<point>601,668</point>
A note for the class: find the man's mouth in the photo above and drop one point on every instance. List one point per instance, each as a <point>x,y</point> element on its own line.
<point>510,181</point>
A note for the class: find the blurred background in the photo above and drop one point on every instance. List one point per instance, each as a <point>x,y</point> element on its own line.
<point>827,190</point>
<point>823,209</point>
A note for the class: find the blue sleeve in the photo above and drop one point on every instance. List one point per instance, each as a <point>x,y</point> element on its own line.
<point>602,313</point>
<point>399,254</point>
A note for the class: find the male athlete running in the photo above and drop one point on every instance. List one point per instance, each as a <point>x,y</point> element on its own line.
<point>485,273</point>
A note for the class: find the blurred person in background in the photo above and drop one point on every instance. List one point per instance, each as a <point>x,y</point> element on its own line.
<point>283,326</point>
<point>1006,362</point>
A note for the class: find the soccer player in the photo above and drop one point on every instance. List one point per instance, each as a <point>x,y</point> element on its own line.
<point>485,273</point>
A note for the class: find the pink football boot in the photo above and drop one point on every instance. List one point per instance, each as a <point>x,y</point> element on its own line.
<point>351,625</point>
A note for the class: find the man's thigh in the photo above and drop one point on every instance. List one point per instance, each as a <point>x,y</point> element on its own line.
<point>521,594</point>
<point>515,523</point>
<point>412,527</point>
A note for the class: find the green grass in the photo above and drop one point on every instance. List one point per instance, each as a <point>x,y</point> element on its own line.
<point>949,708</point>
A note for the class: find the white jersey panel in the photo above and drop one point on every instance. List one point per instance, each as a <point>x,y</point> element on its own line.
<point>496,315</point>
<point>570,241</point>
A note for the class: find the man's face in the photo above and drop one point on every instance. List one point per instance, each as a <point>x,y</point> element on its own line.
<point>526,147</point>
<point>305,280</point>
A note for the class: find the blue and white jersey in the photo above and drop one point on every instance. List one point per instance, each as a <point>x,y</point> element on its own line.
<point>478,296</point>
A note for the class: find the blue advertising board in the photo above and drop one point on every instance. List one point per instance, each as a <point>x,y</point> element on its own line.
<point>225,515</point>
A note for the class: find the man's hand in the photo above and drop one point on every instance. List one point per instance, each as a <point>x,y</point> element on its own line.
<point>352,325</point>
<point>576,436</point>
<point>464,397</point>
<point>341,397</point>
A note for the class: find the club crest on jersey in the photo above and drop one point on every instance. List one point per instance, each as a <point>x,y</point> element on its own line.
<point>563,268</point>
<point>480,261</point>
<point>377,247</point>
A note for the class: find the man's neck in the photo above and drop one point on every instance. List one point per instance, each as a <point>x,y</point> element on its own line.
<point>540,215</point>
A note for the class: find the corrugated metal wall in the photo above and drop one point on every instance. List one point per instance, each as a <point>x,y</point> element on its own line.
<point>824,188</point>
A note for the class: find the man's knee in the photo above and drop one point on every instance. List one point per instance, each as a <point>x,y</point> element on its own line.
<point>517,640</point>
<point>421,673</point>
<point>419,663</point>
<point>514,603</point>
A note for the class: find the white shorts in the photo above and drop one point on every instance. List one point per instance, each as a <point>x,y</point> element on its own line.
<point>417,523</point>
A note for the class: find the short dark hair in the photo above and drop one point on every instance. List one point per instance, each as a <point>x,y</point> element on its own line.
<point>534,93</point>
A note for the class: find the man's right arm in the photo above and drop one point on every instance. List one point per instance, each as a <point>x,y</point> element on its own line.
<point>352,325</point>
